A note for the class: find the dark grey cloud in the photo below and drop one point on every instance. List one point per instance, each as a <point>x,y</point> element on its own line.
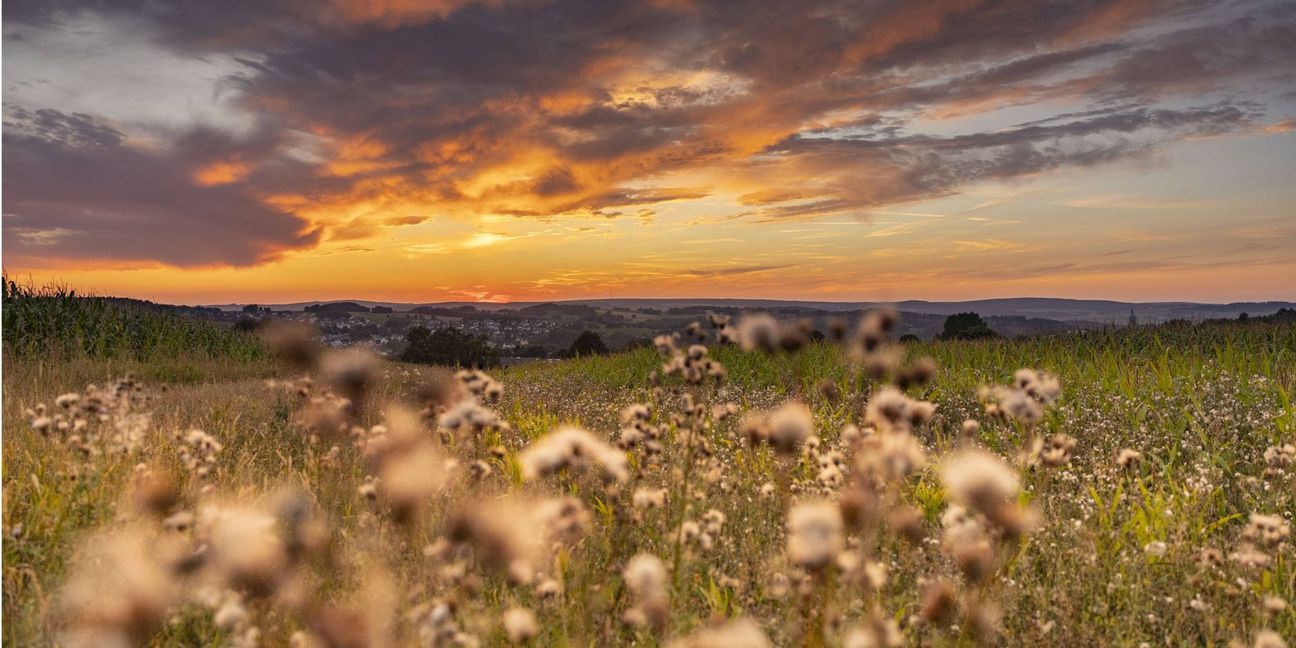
<point>732,271</point>
<point>1198,121</point>
<point>904,168</point>
<point>1260,45</point>
<point>69,130</point>
<point>74,190</point>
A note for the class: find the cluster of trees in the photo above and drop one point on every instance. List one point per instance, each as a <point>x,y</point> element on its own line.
<point>1282,315</point>
<point>453,347</point>
<point>448,346</point>
<point>336,308</point>
<point>587,344</point>
<point>966,326</point>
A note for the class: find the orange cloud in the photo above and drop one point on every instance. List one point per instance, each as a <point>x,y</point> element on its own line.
<point>222,172</point>
<point>393,13</point>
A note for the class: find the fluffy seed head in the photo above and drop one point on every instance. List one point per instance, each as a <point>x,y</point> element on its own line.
<point>1128,457</point>
<point>789,426</point>
<point>740,633</point>
<point>758,331</point>
<point>118,593</point>
<point>815,534</point>
<point>645,576</point>
<point>939,602</point>
<point>245,546</point>
<point>408,478</point>
<point>520,625</point>
<point>294,342</point>
<point>979,480</point>
<point>574,448</point>
<point>350,371</point>
<point>1269,639</point>
<point>1266,530</point>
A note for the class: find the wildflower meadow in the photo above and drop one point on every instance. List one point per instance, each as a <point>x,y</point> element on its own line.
<point>740,484</point>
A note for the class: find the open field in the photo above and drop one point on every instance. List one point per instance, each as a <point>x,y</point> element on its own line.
<point>1155,511</point>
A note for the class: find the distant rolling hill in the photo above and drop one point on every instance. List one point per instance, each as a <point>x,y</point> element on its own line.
<point>1096,309</point>
<point>1062,310</point>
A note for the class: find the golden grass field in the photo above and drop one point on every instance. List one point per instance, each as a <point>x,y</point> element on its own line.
<point>1132,488</point>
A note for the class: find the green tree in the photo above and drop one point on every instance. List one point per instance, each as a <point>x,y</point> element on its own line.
<point>588,343</point>
<point>247,324</point>
<point>448,346</point>
<point>966,326</point>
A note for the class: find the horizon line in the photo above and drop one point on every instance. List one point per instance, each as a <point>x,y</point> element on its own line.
<point>733,299</point>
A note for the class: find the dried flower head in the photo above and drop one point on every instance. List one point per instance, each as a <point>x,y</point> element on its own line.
<point>520,625</point>
<point>511,535</point>
<point>758,331</point>
<point>1057,450</point>
<point>573,448</point>
<point>1266,530</point>
<point>1128,458</point>
<point>739,633</point>
<point>920,372</point>
<point>878,631</point>
<point>645,498</point>
<point>480,384</point>
<point>119,591</point>
<point>469,415</point>
<point>408,478</point>
<point>634,414</point>
<point>789,426</point>
<point>1279,460</point>
<point>296,343</point>
<point>815,534</point>
<point>891,409</point>
<point>1026,399</point>
<point>350,371</point>
<point>645,577</point>
<point>1269,639</point>
<point>245,547</point>
<point>889,456</point>
<point>939,602</point>
<point>154,491</point>
<point>1273,604</point>
<point>980,481</point>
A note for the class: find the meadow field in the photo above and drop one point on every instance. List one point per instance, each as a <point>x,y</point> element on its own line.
<point>737,486</point>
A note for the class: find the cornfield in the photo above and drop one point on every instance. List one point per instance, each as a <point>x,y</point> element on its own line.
<point>58,323</point>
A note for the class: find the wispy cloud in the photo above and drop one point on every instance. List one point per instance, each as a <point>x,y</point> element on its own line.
<point>1124,201</point>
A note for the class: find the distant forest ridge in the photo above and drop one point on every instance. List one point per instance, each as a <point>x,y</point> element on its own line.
<point>544,329</point>
<point>1088,310</point>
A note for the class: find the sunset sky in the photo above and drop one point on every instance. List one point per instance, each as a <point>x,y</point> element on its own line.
<point>286,150</point>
